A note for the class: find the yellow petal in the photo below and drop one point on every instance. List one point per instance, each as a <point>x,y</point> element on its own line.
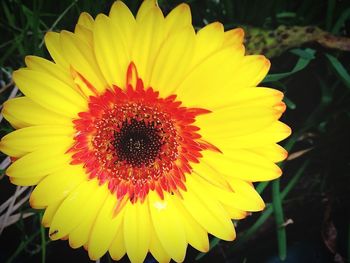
<point>144,8</point>
<point>178,18</point>
<point>233,37</point>
<point>41,162</point>
<point>252,97</point>
<point>157,249</point>
<point>247,191</point>
<point>49,92</point>
<point>82,58</point>
<point>84,34</point>
<point>177,50</point>
<point>170,232</point>
<point>149,35</point>
<point>117,249</point>
<point>207,212</point>
<point>50,212</point>
<point>242,164</point>
<point>276,132</point>
<point>122,18</point>
<point>80,235</point>
<point>84,27</point>
<point>57,186</point>
<point>137,231</point>
<point>26,181</point>
<point>105,228</point>
<point>221,67</point>
<point>46,66</point>
<point>235,198</point>
<point>238,121</point>
<point>211,175</point>
<point>111,51</point>
<point>67,218</point>
<point>251,72</point>
<point>32,138</point>
<point>10,151</point>
<point>208,40</point>
<point>86,20</point>
<point>52,42</point>
<point>23,112</point>
<point>273,152</point>
<point>234,213</point>
<point>196,236</point>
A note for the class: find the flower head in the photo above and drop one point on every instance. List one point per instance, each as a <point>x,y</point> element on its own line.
<point>143,135</point>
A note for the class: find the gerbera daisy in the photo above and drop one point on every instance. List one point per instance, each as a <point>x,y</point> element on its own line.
<point>143,135</point>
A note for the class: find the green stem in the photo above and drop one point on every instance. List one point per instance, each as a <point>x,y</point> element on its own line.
<point>22,246</point>
<point>279,218</point>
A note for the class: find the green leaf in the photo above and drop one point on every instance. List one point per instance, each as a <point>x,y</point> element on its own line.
<point>305,56</point>
<point>339,69</point>
<point>341,21</point>
<point>290,104</point>
<point>330,12</point>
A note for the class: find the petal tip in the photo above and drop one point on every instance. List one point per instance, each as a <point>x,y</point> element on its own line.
<point>239,31</point>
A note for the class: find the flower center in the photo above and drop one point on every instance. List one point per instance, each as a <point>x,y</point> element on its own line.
<point>136,141</point>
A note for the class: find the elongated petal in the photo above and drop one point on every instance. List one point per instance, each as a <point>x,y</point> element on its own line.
<point>238,121</point>
<point>137,231</point>
<point>32,165</point>
<point>157,249</point>
<point>252,97</point>
<point>50,212</point>
<point>117,249</point>
<point>105,228</point>
<point>46,66</point>
<point>111,51</point>
<point>222,66</point>
<point>81,57</point>
<point>23,112</point>
<point>177,19</point>
<point>57,186</point>
<point>122,18</point>
<point>236,197</point>
<point>173,239</point>
<point>144,9</point>
<point>166,73</point>
<point>32,138</point>
<point>242,164</point>
<point>49,92</point>
<point>52,42</point>
<point>233,37</point>
<point>273,152</point>
<point>86,20</point>
<point>79,236</point>
<point>66,217</point>
<point>195,234</point>
<point>149,35</point>
<point>276,132</point>
<point>26,181</point>
<point>207,212</point>
<point>208,40</point>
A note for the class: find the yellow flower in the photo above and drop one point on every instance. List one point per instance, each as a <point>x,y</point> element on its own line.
<point>143,135</point>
